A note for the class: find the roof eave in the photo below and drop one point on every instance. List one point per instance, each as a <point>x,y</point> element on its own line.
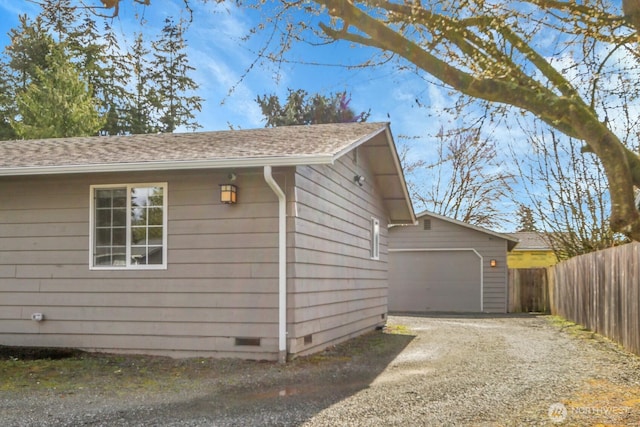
<point>405,190</point>
<point>169,165</point>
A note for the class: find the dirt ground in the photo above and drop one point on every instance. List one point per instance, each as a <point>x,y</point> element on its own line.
<point>437,370</point>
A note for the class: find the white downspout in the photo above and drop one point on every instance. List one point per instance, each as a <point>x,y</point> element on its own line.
<point>282,264</point>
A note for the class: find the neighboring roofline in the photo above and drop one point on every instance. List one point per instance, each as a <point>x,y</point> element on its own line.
<point>504,236</point>
<point>541,236</point>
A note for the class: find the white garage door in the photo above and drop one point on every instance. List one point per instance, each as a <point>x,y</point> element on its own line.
<point>435,281</point>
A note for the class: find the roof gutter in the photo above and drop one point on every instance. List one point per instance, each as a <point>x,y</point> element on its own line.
<point>321,159</point>
<point>282,264</point>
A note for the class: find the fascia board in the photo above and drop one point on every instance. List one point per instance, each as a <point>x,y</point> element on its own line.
<point>398,165</point>
<point>170,165</point>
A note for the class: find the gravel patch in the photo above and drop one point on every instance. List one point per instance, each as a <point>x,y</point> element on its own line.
<point>431,371</point>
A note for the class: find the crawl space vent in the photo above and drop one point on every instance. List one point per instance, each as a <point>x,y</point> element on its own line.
<point>255,342</point>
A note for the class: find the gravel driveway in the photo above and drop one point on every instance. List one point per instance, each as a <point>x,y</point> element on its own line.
<point>432,371</point>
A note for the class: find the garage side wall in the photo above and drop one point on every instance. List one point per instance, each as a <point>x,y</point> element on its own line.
<point>336,289</point>
<point>442,235</point>
<point>220,284</point>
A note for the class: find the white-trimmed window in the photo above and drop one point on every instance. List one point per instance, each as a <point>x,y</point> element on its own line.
<point>128,226</point>
<point>375,238</point>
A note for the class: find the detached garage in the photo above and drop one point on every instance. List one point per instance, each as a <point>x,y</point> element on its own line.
<point>444,265</point>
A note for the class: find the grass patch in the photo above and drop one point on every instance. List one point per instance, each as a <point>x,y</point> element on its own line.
<point>374,343</point>
<point>575,329</point>
<point>398,330</point>
<point>118,375</point>
<point>79,371</point>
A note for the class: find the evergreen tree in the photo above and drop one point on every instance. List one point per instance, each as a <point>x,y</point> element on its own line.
<point>59,17</point>
<point>97,55</point>
<point>300,109</point>
<point>58,103</point>
<point>172,83</point>
<point>155,99</point>
<point>140,108</point>
<point>29,48</point>
<point>526,222</point>
<point>7,104</point>
<point>103,66</point>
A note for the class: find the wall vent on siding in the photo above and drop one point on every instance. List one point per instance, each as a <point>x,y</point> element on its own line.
<point>255,342</point>
<point>427,224</point>
<point>308,339</point>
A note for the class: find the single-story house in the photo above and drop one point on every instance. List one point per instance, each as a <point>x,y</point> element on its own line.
<point>259,244</point>
<point>445,265</point>
<point>533,251</point>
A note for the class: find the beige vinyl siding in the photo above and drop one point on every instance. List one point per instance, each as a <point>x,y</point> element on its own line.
<point>447,235</point>
<point>336,290</point>
<point>220,282</point>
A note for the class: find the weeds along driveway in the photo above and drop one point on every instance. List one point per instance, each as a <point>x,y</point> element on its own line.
<point>432,371</point>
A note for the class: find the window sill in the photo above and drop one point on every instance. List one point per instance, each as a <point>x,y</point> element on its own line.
<point>128,268</point>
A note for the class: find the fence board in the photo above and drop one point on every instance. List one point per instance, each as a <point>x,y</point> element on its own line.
<point>528,290</point>
<point>601,291</point>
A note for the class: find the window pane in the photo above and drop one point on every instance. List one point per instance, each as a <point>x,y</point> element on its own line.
<point>138,216</point>
<point>156,197</point>
<point>138,255</point>
<point>119,217</point>
<point>120,198</point>
<point>103,218</point>
<point>103,198</point>
<point>154,216</point>
<point>139,196</point>
<point>120,236</point>
<point>103,237</point>
<point>155,255</point>
<point>139,235</point>
<point>119,255</point>
<point>155,235</point>
<point>102,256</point>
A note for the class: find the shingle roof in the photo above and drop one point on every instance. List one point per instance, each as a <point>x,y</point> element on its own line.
<point>280,146</point>
<point>531,240</point>
<point>287,145</point>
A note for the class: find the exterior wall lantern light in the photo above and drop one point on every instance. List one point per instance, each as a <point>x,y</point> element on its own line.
<point>228,194</point>
<point>359,179</point>
<point>493,263</point>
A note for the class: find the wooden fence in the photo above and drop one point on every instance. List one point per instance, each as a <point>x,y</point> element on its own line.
<point>601,291</point>
<point>528,290</point>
